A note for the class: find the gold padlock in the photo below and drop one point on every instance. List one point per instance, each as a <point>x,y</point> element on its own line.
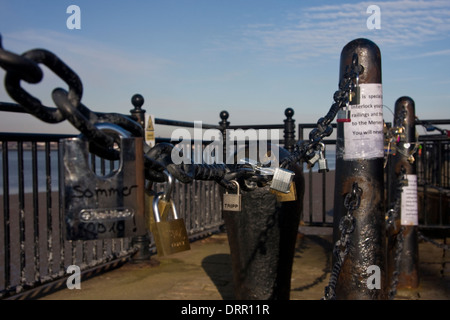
<point>164,204</point>
<point>285,197</point>
<point>170,235</point>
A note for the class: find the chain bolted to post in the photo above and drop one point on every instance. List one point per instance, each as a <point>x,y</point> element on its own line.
<point>346,226</point>
<point>402,170</point>
<point>157,158</point>
<point>359,159</point>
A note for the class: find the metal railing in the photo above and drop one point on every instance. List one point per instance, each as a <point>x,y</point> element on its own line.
<point>433,174</point>
<point>32,246</point>
<point>33,253</point>
<point>433,169</point>
<point>319,187</point>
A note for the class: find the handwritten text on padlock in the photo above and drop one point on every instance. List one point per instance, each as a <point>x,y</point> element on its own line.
<point>79,192</point>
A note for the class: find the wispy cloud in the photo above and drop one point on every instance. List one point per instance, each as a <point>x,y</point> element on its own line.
<point>436,53</point>
<point>106,70</point>
<point>324,30</point>
<point>88,52</point>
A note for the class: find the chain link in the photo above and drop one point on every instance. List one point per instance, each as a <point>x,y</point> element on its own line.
<point>437,244</point>
<point>352,202</point>
<point>305,150</point>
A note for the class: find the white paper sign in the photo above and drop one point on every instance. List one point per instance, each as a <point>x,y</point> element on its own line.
<point>409,207</point>
<point>363,135</point>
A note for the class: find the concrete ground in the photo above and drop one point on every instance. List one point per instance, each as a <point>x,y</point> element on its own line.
<point>204,273</point>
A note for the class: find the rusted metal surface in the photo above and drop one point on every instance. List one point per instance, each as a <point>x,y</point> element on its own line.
<point>408,277</point>
<point>367,245</point>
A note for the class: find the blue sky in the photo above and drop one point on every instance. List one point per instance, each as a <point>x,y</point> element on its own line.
<point>254,58</point>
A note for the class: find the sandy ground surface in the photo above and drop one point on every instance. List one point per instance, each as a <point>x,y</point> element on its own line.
<point>204,273</point>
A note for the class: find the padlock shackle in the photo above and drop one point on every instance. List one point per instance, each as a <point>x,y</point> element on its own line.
<point>155,204</point>
<point>237,186</point>
<point>113,128</point>
<point>169,186</point>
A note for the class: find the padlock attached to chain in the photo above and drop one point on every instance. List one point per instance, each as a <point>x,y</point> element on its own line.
<point>102,207</point>
<point>170,234</point>
<point>232,202</point>
<point>281,180</point>
<point>323,162</point>
<point>164,204</point>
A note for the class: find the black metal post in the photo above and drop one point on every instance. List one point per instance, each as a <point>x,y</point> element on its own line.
<point>289,130</point>
<point>141,242</point>
<point>359,158</point>
<point>224,124</point>
<point>137,113</point>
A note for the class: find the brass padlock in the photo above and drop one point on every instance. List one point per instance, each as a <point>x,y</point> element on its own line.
<point>286,197</point>
<point>164,204</point>
<point>170,235</point>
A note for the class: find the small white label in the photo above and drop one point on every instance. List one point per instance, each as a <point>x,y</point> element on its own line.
<point>363,135</point>
<point>409,208</point>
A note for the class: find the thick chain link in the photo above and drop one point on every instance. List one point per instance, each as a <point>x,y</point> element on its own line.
<point>305,150</point>
<point>352,202</point>
<point>437,244</point>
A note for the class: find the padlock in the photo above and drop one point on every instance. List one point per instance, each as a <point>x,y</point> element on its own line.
<point>102,207</point>
<point>344,115</point>
<point>285,197</point>
<point>164,205</point>
<point>282,179</point>
<point>312,161</point>
<point>232,202</point>
<point>323,163</point>
<point>149,217</point>
<point>355,96</point>
<point>170,235</point>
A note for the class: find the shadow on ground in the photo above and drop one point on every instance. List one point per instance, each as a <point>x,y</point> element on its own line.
<point>218,268</point>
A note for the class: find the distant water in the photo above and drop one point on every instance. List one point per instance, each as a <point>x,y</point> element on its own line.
<point>13,170</point>
<point>14,175</point>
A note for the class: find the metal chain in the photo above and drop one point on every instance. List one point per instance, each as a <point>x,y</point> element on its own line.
<point>396,136</point>
<point>437,244</point>
<point>352,202</point>
<point>69,107</point>
<point>305,150</point>
<point>392,215</point>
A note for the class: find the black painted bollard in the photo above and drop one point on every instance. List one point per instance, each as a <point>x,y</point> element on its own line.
<point>359,159</point>
<point>262,237</point>
<point>401,164</point>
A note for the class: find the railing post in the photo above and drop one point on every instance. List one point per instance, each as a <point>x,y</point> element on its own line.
<point>359,159</point>
<point>399,164</point>
<point>224,124</point>
<point>141,242</point>
<point>137,113</point>
<point>289,130</point>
